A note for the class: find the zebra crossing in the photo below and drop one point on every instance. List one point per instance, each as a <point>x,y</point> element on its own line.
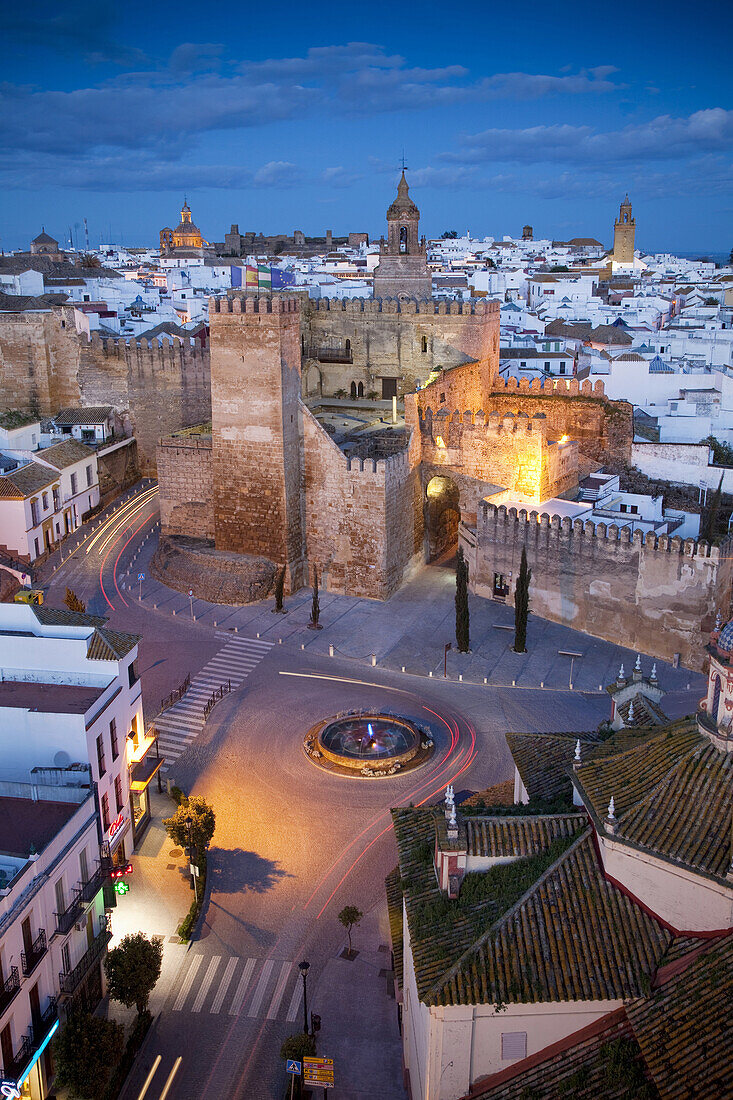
<point>232,986</point>
<point>178,726</point>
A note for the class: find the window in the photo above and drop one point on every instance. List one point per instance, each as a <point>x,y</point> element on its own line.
<point>44,501</point>
<point>65,959</point>
<point>105,811</point>
<point>547,365</point>
<point>513,1045</point>
<point>562,368</point>
<point>83,866</point>
<point>60,902</point>
<point>118,793</point>
<point>113,738</point>
<point>523,364</point>
<point>90,475</point>
<point>56,498</point>
<point>100,755</point>
<point>132,673</point>
<point>37,545</point>
<point>424,345</point>
<point>73,485</point>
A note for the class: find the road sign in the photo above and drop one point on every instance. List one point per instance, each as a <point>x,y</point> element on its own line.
<point>193,869</point>
<point>190,591</point>
<point>318,1071</point>
<point>291,1066</point>
<point>141,576</point>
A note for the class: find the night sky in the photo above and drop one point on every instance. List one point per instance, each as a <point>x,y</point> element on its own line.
<point>293,115</point>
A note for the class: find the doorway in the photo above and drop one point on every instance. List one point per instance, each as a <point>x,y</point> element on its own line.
<point>389,388</point>
<point>442,516</point>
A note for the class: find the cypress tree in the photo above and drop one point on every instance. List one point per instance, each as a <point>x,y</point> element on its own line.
<point>315,606</point>
<point>279,590</point>
<point>710,525</point>
<point>521,605</point>
<point>462,617</point>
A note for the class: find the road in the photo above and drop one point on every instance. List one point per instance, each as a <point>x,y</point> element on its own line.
<point>293,843</point>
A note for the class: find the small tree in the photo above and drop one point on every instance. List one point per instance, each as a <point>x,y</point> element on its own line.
<point>521,605</point>
<point>315,606</point>
<point>298,1046</point>
<point>85,1051</point>
<point>710,524</point>
<point>349,916</point>
<point>193,823</point>
<point>279,589</point>
<point>133,968</point>
<point>73,602</point>
<point>463,640</point>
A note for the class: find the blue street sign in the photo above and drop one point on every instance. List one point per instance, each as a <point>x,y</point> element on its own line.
<point>291,1066</point>
<point>141,576</point>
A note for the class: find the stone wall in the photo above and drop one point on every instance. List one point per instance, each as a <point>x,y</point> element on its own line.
<point>39,361</point>
<point>363,517</point>
<point>186,492</point>
<point>255,400</point>
<point>658,595</point>
<point>387,339</point>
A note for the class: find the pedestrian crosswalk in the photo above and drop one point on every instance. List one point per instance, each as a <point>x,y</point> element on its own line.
<point>178,726</point>
<point>254,988</point>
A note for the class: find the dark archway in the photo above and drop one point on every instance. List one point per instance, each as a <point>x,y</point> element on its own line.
<point>360,390</point>
<point>716,698</point>
<point>353,390</point>
<point>442,516</point>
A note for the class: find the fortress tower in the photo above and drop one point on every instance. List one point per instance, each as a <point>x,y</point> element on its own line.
<point>403,269</point>
<point>256,466</point>
<point>624,229</point>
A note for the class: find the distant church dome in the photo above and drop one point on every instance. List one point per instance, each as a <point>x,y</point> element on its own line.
<point>725,639</point>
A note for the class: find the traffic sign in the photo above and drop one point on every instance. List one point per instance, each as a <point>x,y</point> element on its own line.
<point>291,1066</point>
<point>141,576</point>
<point>318,1071</point>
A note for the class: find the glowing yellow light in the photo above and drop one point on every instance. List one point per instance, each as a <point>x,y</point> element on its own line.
<point>439,441</point>
<point>564,438</point>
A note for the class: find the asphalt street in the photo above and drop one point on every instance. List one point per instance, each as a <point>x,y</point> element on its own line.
<point>293,843</point>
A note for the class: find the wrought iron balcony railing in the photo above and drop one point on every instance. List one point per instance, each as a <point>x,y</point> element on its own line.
<point>83,894</point>
<point>32,1040</point>
<point>29,960</point>
<point>72,979</point>
<point>9,988</point>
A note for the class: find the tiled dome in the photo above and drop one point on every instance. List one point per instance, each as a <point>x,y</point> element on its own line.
<point>725,641</point>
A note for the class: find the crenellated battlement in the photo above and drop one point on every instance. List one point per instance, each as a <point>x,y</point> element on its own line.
<point>511,523</point>
<point>493,423</point>
<point>472,308</point>
<point>170,347</point>
<point>548,387</point>
<point>259,304</point>
<point>395,464</point>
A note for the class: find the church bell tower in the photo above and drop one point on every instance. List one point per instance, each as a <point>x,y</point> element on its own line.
<point>403,269</point>
<point>624,230</point>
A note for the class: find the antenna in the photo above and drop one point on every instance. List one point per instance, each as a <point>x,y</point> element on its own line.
<point>86,233</point>
<point>404,165</point>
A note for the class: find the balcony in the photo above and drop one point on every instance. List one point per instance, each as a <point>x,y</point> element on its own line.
<point>83,894</point>
<point>34,1040</point>
<point>29,960</point>
<point>331,355</point>
<point>9,988</point>
<point>72,979</point>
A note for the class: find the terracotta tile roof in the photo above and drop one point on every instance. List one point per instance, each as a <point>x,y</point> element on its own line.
<point>646,712</point>
<point>110,645</point>
<point>685,1030</point>
<point>569,935</point>
<point>544,760</point>
<point>393,886</point>
<point>572,937</point>
<point>97,414</point>
<point>519,836</point>
<point>576,1069</point>
<point>26,481</point>
<point>61,455</point>
<point>61,616</point>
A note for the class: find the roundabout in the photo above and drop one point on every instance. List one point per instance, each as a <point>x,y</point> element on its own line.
<point>368,744</point>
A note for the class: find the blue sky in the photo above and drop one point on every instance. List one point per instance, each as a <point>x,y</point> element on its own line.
<point>284,116</point>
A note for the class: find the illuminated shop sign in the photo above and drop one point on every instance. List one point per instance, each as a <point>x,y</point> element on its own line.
<point>9,1089</point>
<point>116,826</point>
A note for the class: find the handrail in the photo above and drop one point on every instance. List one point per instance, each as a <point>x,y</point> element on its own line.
<point>70,979</point>
<point>9,988</point>
<point>30,960</point>
<point>176,694</point>
<point>216,695</point>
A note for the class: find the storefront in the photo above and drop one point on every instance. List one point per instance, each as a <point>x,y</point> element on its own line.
<point>142,773</point>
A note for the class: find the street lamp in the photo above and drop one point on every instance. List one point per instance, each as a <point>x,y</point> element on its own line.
<point>304,967</point>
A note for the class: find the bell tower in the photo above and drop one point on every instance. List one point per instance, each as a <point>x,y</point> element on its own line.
<point>403,269</point>
<point>624,230</point>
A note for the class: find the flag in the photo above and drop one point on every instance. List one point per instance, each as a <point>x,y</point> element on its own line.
<point>281,278</point>
<point>264,280</point>
<point>251,277</point>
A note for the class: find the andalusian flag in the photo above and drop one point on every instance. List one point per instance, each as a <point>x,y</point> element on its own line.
<point>264,278</point>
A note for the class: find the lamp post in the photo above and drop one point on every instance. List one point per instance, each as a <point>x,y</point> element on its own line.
<point>189,826</point>
<point>304,967</point>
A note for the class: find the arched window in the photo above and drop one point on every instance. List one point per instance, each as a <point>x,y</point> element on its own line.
<point>353,389</point>
<point>348,347</point>
<point>424,344</point>
<point>403,238</point>
<point>360,389</point>
<point>716,699</point>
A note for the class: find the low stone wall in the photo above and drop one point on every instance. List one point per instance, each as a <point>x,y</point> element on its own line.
<point>189,564</point>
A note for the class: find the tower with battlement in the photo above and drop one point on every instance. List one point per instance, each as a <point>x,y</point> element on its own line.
<point>255,411</point>
<point>402,271</point>
<point>624,229</point>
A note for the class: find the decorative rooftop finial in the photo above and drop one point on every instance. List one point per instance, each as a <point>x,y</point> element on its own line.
<point>631,712</point>
<point>654,671</point>
<point>577,751</point>
<point>637,666</point>
<point>452,821</point>
<point>621,673</point>
<point>403,164</point>
<point>718,621</point>
<point>611,810</point>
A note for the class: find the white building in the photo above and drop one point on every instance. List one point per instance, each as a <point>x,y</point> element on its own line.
<point>53,928</point>
<point>70,694</point>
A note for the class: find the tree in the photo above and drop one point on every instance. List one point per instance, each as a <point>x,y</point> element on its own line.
<point>132,969</point>
<point>85,1051</point>
<point>73,602</point>
<point>349,916</point>
<point>710,523</point>
<point>449,235</point>
<point>722,452</point>
<point>279,589</point>
<point>730,257</point>
<point>463,640</point>
<point>193,823</point>
<point>315,606</point>
<point>521,605</point>
<point>298,1046</point>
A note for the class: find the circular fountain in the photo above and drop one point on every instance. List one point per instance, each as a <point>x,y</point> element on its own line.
<point>369,745</point>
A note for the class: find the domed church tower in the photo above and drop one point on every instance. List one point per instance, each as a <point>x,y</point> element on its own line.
<point>403,269</point>
<point>716,710</point>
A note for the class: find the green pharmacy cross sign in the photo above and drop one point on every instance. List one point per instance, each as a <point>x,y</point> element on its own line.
<point>122,887</point>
